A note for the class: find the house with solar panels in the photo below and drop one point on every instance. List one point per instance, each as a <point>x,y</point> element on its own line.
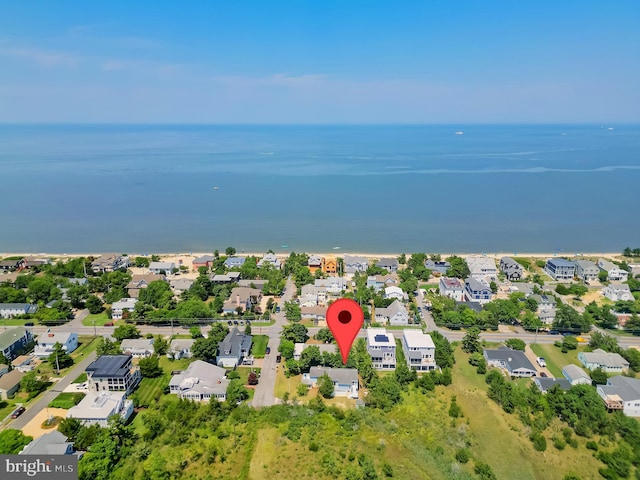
<point>381,346</point>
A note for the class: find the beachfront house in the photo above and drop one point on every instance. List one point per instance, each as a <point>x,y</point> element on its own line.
<point>621,393</point>
<point>119,307</point>
<point>109,263</point>
<point>452,288</point>
<point>96,408</point>
<point>139,282</point>
<point>482,268</point>
<point>477,291</point>
<point>511,269</point>
<point>180,348</point>
<point>607,361</point>
<point>10,310</point>
<point>419,350</point>
<point>515,362</point>
<point>329,266</point>
<point>205,261</point>
<point>47,341</point>
<point>137,347</point>
<point>113,373</point>
<point>314,263</point>
<point>586,270</point>
<point>162,268</point>
<point>200,382</point>
<point>614,273</point>
<point>353,264</point>
<point>560,269</point>
<point>381,347</point>
<point>617,292</point>
<point>270,259</point>
<point>575,375</point>
<point>345,380</point>
<point>439,266</point>
<point>389,264</point>
<point>14,340</point>
<point>234,262</point>
<point>233,349</point>
<point>395,314</point>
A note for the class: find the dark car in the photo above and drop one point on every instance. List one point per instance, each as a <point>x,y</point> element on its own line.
<point>108,324</point>
<point>230,322</point>
<point>268,351</point>
<point>17,412</point>
<point>278,309</point>
<point>29,324</point>
<point>554,332</point>
<point>543,374</point>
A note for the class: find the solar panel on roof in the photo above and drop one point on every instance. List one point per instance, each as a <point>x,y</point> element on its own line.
<point>381,338</point>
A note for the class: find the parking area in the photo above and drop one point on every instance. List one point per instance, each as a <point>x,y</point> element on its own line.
<point>532,358</point>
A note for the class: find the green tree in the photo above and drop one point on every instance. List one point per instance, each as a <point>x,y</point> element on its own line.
<point>12,441</point>
<point>205,349</point>
<point>30,383</point>
<point>158,294</point>
<point>402,259</point>
<point>325,386</point>
<point>459,267</point>
<point>471,341</point>
<point>384,393</point>
<point>218,332</point>
<point>293,367</point>
<point>324,335</point>
<point>599,376</point>
<point>150,367</point>
<point>41,289</point>
<point>295,332</point>
<point>126,331</point>
<point>310,357</point>
<point>107,347</point>
<point>60,358</point>
<point>515,344</point>
<point>236,392</point>
<point>160,345</point>
<point>230,251</point>
<point>94,304</point>
<point>292,311</point>
<point>195,332</point>
<point>494,287</point>
<point>286,348</point>
<point>444,352</point>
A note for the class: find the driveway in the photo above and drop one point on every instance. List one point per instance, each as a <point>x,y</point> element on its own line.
<point>532,358</point>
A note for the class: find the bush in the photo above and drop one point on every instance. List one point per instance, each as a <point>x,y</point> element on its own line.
<point>591,445</point>
<point>387,470</point>
<point>484,472</point>
<point>314,447</point>
<point>559,443</point>
<point>462,455</point>
<point>539,441</point>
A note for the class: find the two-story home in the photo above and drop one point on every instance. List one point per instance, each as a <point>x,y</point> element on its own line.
<point>162,268</point>
<point>381,347</point>
<point>10,310</point>
<point>477,291</point>
<point>234,262</point>
<point>617,291</point>
<point>137,347</point>
<point>243,298</point>
<point>332,285</point>
<point>314,263</point>
<point>378,282</point>
<point>109,263</point>
<point>609,362</point>
<point>96,408</point>
<point>586,270</point>
<point>138,282</point>
<point>205,261</point>
<point>345,380</point>
<point>389,264</point>
<point>270,259</point>
<point>395,314</point>
<point>546,311</point>
<point>118,308</point>
<point>575,375</point>
<point>621,393</point>
<point>233,349</point>
<point>614,273</point>
<point>560,269</point>
<point>395,293</point>
<point>316,314</point>
<point>113,373</point>
<point>180,348</point>
<point>482,268</point>
<point>329,265</point>
<point>439,266</point>
<point>178,287</point>
<point>515,362</point>
<point>512,269</point>
<point>419,350</point>
<point>353,264</point>
<point>200,382</point>
<point>452,288</point>
<point>14,340</point>
<point>312,296</point>
<point>46,342</point>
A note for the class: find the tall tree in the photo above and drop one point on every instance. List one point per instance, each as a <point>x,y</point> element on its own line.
<point>471,341</point>
<point>325,386</point>
<point>60,358</point>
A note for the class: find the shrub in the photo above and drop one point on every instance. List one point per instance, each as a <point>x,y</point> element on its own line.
<point>591,445</point>
<point>462,455</point>
<point>314,447</point>
<point>559,443</point>
<point>539,441</point>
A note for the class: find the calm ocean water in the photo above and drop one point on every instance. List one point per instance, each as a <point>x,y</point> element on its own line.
<point>364,188</point>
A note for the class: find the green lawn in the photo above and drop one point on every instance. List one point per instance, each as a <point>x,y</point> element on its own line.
<point>81,379</point>
<point>100,319</point>
<point>554,357</point>
<point>150,390</point>
<point>259,346</point>
<point>66,400</point>
<point>86,345</point>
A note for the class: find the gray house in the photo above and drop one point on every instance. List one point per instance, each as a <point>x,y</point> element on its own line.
<point>586,270</point>
<point>512,269</point>
<point>345,380</point>
<point>575,375</point>
<point>10,383</point>
<point>10,310</point>
<point>234,262</point>
<point>545,384</point>
<point>353,264</point>
<point>477,291</point>
<point>440,267</point>
<point>14,340</point>
<point>200,382</point>
<point>513,361</point>
<point>394,314</point>
<point>389,264</point>
<point>233,349</point>
<point>52,443</point>
<point>560,269</point>
<point>113,373</point>
<point>381,346</point>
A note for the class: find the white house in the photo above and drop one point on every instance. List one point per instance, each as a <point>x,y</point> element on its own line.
<point>96,408</point>
<point>200,382</point>
<point>617,291</point>
<point>586,270</point>
<point>396,293</point>
<point>180,348</point>
<point>614,273</point>
<point>165,268</point>
<point>118,308</point>
<point>381,346</point>
<point>452,288</point>
<point>10,310</point>
<point>46,342</point>
<point>345,380</point>
<point>546,311</point>
<point>576,375</point>
<point>137,347</point>
<point>271,259</point>
<point>353,264</point>
<point>394,314</point>
<point>332,285</point>
<point>609,362</point>
<point>482,268</point>
<point>621,393</point>
<point>419,350</point>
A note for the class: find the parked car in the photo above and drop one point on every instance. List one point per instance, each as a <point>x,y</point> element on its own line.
<point>543,374</point>
<point>229,322</point>
<point>108,324</point>
<point>17,412</point>
<point>554,332</point>
<point>268,350</point>
<point>278,309</point>
<point>29,324</point>
<point>541,361</point>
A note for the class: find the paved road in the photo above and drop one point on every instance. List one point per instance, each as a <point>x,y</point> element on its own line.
<point>46,398</point>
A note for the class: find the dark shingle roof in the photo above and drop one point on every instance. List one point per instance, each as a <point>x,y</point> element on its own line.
<point>513,359</point>
<point>109,366</point>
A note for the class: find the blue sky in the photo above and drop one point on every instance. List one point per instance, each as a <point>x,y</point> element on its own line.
<point>320,61</point>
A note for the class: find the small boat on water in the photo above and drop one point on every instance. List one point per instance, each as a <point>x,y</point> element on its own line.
<point>284,246</point>
<point>336,248</point>
<point>215,188</point>
<point>460,133</point>
<point>610,128</point>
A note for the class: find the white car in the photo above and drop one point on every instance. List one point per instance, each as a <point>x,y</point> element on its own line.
<point>541,361</point>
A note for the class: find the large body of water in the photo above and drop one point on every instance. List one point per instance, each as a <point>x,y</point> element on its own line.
<point>554,188</point>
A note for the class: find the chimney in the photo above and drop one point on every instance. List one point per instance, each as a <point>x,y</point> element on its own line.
<point>237,299</point>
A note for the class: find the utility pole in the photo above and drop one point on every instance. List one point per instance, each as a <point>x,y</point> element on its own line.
<point>57,364</point>
<point>95,334</point>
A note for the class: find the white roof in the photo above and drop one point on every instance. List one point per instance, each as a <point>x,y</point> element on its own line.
<point>124,303</point>
<point>182,343</point>
<point>380,337</point>
<point>54,337</point>
<point>162,266</point>
<point>484,263</point>
<point>98,405</point>
<point>417,339</point>
<point>202,377</point>
<point>137,344</point>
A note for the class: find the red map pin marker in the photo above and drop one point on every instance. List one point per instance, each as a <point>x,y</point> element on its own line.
<point>344,318</point>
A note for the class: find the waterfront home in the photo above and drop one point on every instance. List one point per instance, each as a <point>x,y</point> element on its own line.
<point>113,373</point>
<point>233,349</point>
<point>234,262</point>
<point>545,384</point>
<point>575,375</point>
<point>439,266</point>
<point>419,350</point>
<point>138,282</point>
<point>353,264</point>
<point>51,443</point>
<point>329,266</point>
<point>512,269</point>
<point>137,347</point>
<point>119,307</point>
<point>317,314</point>
<point>180,348</point>
<point>314,263</point>
<point>96,408</point>
<point>203,261</point>
<point>242,298</point>
<point>389,264</point>
<point>634,267</point>
<point>477,291</point>
<point>345,380</point>
<point>47,341</point>
<point>14,340</point>
<point>513,361</point>
<point>378,282</point>
<point>617,291</point>
<point>10,310</point>
<point>298,348</point>
<point>109,263</point>
<point>332,285</point>
<point>395,314</point>
<point>229,277</point>
<point>452,288</point>
<point>482,268</point>
<point>200,382</point>
<point>621,393</point>
<point>10,265</point>
<point>396,293</point>
<point>162,268</point>
<point>381,347</point>
<point>270,259</point>
<point>614,273</point>
<point>181,285</point>
<point>586,270</point>
<point>10,383</point>
<point>609,362</point>
<point>560,269</point>
<point>546,311</point>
